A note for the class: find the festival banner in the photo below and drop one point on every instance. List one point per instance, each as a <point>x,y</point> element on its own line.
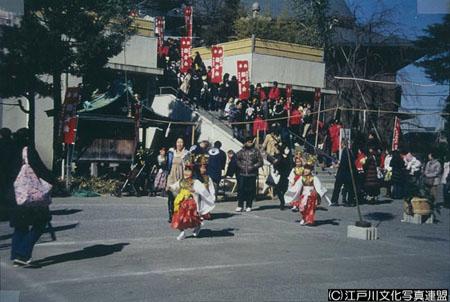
<point>159,30</point>
<point>243,79</point>
<point>317,94</point>
<point>70,130</point>
<point>396,134</point>
<point>289,93</point>
<point>186,61</point>
<point>69,109</point>
<point>188,20</point>
<point>217,64</point>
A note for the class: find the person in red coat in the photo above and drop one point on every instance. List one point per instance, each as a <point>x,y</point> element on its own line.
<point>260,92</point>
<point>334,133</point>
<point>260,125</point>
<point>295,120</point>
<point>274,93</point>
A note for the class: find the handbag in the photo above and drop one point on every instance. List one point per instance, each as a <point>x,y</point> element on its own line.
<point>29,189</point>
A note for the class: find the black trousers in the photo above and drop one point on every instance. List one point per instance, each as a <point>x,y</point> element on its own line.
<point>246,190</point>
<point>170,200</point>
<point>348,188</point>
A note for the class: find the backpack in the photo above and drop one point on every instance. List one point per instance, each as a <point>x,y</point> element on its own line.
<point>29,189</point>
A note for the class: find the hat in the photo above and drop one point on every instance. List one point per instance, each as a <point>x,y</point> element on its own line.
<point>202,160</point>
<point>249,138</point>
<point>189,162</point>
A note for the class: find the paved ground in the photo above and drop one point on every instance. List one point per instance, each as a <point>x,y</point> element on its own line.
<point>111,249</point>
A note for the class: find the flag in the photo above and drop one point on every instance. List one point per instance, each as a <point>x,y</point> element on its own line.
<point>217,64</point>
<point>317,94</point>
<point>396,134</point>
<point>243,79</point>
<point>70,130</point>
<point>186,61</point>
<point>289,93</point>
<point>188,20</point>
<point>69,108</point>
<point>159,30</point>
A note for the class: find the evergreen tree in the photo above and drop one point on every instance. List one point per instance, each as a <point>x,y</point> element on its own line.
<point>77,37</point>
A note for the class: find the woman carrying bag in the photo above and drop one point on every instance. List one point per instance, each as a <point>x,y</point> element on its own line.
<point>29,198</point>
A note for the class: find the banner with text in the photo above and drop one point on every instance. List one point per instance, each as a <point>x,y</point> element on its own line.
<point>243,79</point>
<point>217,64</point>
<point>188,20</point>
<point>396,134</point>
<point>186,61</point>
<point>69,110</point>
<point>159,31</point>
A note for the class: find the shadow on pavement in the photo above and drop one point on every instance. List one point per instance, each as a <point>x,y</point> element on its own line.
<point>268,207</point>
<point>380,217</point>
<point>51,230</point>
<point>222,215</point>
<point>426,238</point>
<point>95,251</point>
<point>65,212</point>
<point>333,221</point>
<point>216,233</point>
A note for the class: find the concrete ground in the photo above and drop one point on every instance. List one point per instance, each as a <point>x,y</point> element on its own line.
<point>111,249</point>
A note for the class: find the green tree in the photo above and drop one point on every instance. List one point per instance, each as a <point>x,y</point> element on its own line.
<point>77,37</point>
<point>436,45</point>
<point>213,20</point>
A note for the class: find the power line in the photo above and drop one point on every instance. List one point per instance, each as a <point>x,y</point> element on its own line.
<point>384,82</point>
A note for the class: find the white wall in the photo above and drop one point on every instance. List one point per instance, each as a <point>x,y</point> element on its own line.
<point>140,51</point>
<point>289,71</point>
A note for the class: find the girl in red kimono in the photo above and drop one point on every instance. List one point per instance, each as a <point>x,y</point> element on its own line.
<point>191,203</point>
<point>295,175</point>
<point>306,195</point>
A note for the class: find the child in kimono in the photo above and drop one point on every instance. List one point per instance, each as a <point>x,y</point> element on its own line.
<point>295,175</point>
<point>191,202</point>
<point>306,195</point>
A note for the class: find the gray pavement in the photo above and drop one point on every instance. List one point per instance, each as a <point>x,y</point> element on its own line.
<point>111,249</point>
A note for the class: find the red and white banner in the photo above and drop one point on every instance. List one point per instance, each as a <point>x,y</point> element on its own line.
<point>317,94</point>
<point>186,61</point>
<point>217,64</point>
<point>159,30</point>
<point>69,109</point>
<point>188,20</point>
<point>70,130</point>
<point>289,93</point>
<point>243,79</point>
<point>396,134</point>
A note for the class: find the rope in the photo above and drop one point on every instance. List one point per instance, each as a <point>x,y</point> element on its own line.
<point>383,82</point>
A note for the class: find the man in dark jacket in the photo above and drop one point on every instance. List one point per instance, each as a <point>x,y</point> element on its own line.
<point>216,163</point>
<point>344,178</point>
<point>249,160</point>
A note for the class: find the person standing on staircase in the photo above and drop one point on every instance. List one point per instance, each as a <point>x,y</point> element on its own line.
<point>249,160</point>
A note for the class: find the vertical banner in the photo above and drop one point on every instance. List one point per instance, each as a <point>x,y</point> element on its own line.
<point>396,134</point>
<point>159,30</point>
<point>243,79</point>
<point>217,64</point>
<point>289,93</point>
<point>317,95</point>
<point>188,20</point>
<point>186,60</point>
<point>69,109</point>
<point>70,130</point>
